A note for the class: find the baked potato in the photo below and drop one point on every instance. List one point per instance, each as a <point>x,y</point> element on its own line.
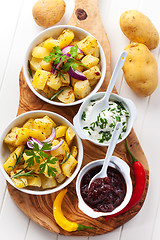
<point>138,28</point>
<point>140,69</point>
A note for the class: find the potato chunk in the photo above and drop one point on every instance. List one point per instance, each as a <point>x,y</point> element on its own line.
<point>44,125</point>
<point>40,52</point>
<point>17,137</point>
<point>50,43</point>
<point>69,166</point>
<point>34,181</point>
<point>61,151</point>
<point>11,160</point>
<point>81,89</point>
<point>49,91</point>
<point>96,52</point>
<point>60,131</point>
<point>29,123</point>
<point>70,134</point>
<point>88,45</point>
<point>90,61</point>
<point>60,177</point>
<point>66,38</point>
<point>67,96</point>
<point>47,66</point>
<point>54,82</point>
<point>35,63</point>
<point>74,151</point>
<point>20,182</point>
<point>66,80</point>
<point>10,138</point>
<point>36,133</point>
<point>47,182</point>
<point>56,166</point>
<point>40,78</point>
<point>93,73</point>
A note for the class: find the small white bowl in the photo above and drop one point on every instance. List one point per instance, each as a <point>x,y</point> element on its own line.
<point>128,105</point>
<point>55,32</point>
<point>116,163</point>
<point>18,122</point>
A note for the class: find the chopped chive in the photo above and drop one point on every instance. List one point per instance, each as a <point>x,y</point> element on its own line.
<point>83,117</point>
<point>57,93</point>
<point>86,128</point>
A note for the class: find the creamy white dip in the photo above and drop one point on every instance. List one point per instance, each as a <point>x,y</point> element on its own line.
<point>102,129</point>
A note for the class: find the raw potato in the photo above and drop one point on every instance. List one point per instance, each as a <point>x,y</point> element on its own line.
<point>46,13</point>
<point>140,69</point>
<point>138,28</point>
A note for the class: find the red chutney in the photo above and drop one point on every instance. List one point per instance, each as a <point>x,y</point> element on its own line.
<point>104,194</point>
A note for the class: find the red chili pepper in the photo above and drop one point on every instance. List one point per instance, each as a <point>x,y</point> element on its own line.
<point>140,182</point>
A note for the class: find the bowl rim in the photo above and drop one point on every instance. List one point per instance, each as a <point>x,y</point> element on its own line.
<point>120,165</point>
<point>28,78</point>
<point>41,113</point>
<point>128,104</point>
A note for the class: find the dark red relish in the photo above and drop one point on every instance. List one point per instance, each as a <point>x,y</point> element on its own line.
<point>104,194</point>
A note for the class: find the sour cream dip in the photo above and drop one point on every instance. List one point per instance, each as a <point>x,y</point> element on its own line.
<point>102,129</point>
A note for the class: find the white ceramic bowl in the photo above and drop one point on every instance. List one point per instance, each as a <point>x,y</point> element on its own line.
<point>128,105</point>
<point>116,163</point>
<point>55,32</point>
<point>18,122</point>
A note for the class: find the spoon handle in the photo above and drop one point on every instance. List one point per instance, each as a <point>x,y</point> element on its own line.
<point>115,74</point>
<point>111,147</point>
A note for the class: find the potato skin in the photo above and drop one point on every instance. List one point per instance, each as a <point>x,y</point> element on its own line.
<point>140,69</point>
<point>138,28</point>
<point>46,13</point>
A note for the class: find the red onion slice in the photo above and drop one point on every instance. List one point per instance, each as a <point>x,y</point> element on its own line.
<point>55,147</point>
<point>29,144</point>
<point>66,50</point>
<point>40,144</point>
<point>76,74</point>
<point>51,137</point>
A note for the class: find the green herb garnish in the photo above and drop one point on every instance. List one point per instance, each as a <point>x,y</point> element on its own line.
<point>67,61</point>
<point>83,117</point>
<point>118,118</point>
<point>18,159</point>
<point>50,170</point>
<point>66,157</point>
<point>106,136</point>
<point>86,128</point>
<point>29,69</point>
<point>36,153</point>
<point>25,174</point>
<point>57,93</point>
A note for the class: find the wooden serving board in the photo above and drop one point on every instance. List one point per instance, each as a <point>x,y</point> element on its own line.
<point>39,208</point>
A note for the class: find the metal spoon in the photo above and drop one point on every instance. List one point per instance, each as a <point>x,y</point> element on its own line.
<point>113,142</point>
<point>104,102</point>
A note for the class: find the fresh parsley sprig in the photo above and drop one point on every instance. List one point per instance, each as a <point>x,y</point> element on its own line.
<point>56,55</point>
<point>51,171</point>
<point>36,153</point>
